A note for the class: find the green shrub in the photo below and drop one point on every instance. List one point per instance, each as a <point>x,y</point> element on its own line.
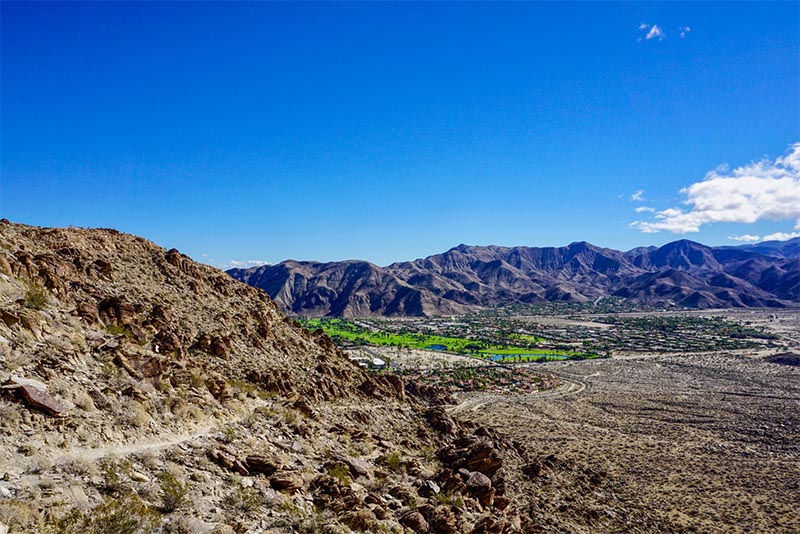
<point>394,460</point>
<point>174,492</point>
<point>242,501</point>
<point>112,472</point>
<point>120,330</point>
<point>340,472</point>
<point>114,516</point>
<point>36,297</point>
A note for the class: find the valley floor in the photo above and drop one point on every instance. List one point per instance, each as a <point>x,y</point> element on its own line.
<point>704,443</point>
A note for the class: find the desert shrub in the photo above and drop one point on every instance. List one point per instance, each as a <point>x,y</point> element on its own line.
<point>36,297</point>
<point>84,401</point>
<point>173,491</point>
<point>394,460</point>
<point>290,417</point>
<point>17,515</point>
<point>242,501</point>
<point>111,476</point>
<point>38,463</point>
<point>340,472</point>
<point>114,516</point>
<point>120,330</point>
<point>449,499</point>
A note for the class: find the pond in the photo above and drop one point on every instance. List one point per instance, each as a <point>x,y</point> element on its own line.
<point>436,347</point>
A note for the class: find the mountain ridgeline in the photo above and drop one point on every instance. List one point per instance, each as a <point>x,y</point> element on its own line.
<point>682,273</point>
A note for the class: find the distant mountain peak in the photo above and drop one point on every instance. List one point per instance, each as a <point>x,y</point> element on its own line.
<point>682,272</point>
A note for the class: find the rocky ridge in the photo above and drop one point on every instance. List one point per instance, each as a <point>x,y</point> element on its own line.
<point>184,401</point>
<point>682,274</point>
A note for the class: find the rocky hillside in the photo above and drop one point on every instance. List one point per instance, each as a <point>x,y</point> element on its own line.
<point>143,392</point>
<point>682,273</point>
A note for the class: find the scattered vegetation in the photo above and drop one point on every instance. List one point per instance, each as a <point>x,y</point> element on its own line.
<point>340,472</point>
<point>129,515</point>
<point>112,479</point>
<point>36,296</point>
<point>242,501</point>
<point>394,461</point>
<point>173,491</point>
<point>120,331</point>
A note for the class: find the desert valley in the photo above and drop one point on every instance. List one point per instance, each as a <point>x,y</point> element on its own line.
<point>144,392</point>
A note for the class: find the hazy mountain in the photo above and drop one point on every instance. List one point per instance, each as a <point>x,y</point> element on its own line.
<point>784,249</point>
<point>681,273</point>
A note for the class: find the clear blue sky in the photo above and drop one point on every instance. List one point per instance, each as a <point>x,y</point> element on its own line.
<point>391,131</point>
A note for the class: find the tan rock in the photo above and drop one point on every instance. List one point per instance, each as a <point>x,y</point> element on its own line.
<point>287,481</point>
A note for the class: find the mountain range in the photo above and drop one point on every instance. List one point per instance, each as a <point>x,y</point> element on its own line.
<point>681,273</point>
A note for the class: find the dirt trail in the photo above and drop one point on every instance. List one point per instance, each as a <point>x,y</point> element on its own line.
<point>161,441</point>
<point>170,440</point>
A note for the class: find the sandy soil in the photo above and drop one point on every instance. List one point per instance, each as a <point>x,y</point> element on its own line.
<point>709,443</point>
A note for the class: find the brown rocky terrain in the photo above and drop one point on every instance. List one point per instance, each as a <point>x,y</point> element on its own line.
<point>143,392</point>
<point>682,274</point>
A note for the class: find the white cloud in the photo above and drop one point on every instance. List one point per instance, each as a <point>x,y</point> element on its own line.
<point>747,238</point>
<point>237,264</point>
<point>655,33</point>
<point>638,196</point>
<point>643,209</point>
<point>652,32</point>
<point>763,190</point>
<point>781,236</point>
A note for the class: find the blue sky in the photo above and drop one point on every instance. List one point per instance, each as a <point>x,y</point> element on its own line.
<point>243,132</point>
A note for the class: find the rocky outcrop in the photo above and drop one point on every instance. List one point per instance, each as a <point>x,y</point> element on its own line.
<point>32,393</point>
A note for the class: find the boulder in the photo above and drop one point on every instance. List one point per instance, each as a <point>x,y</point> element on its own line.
<point>356,466</point>
<point>474,453</point>
<point>429,488</point>
<point>261,463</point>
<point>415,521</point>
<point>31,392</point>
<point>443,520</point>
<point>363,519</point>
<point>441,422</point>
<point>287,481</point>
<point>478,480</point>
<point>489,525</point>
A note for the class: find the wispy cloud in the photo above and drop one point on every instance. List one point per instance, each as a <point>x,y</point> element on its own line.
<point>781,236</point>
<point>763,190</point>
<point>237,264</point>
<point>746,238</point>
<point>651,31</point>
<point>638,196</point>
<point>645,209</point>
